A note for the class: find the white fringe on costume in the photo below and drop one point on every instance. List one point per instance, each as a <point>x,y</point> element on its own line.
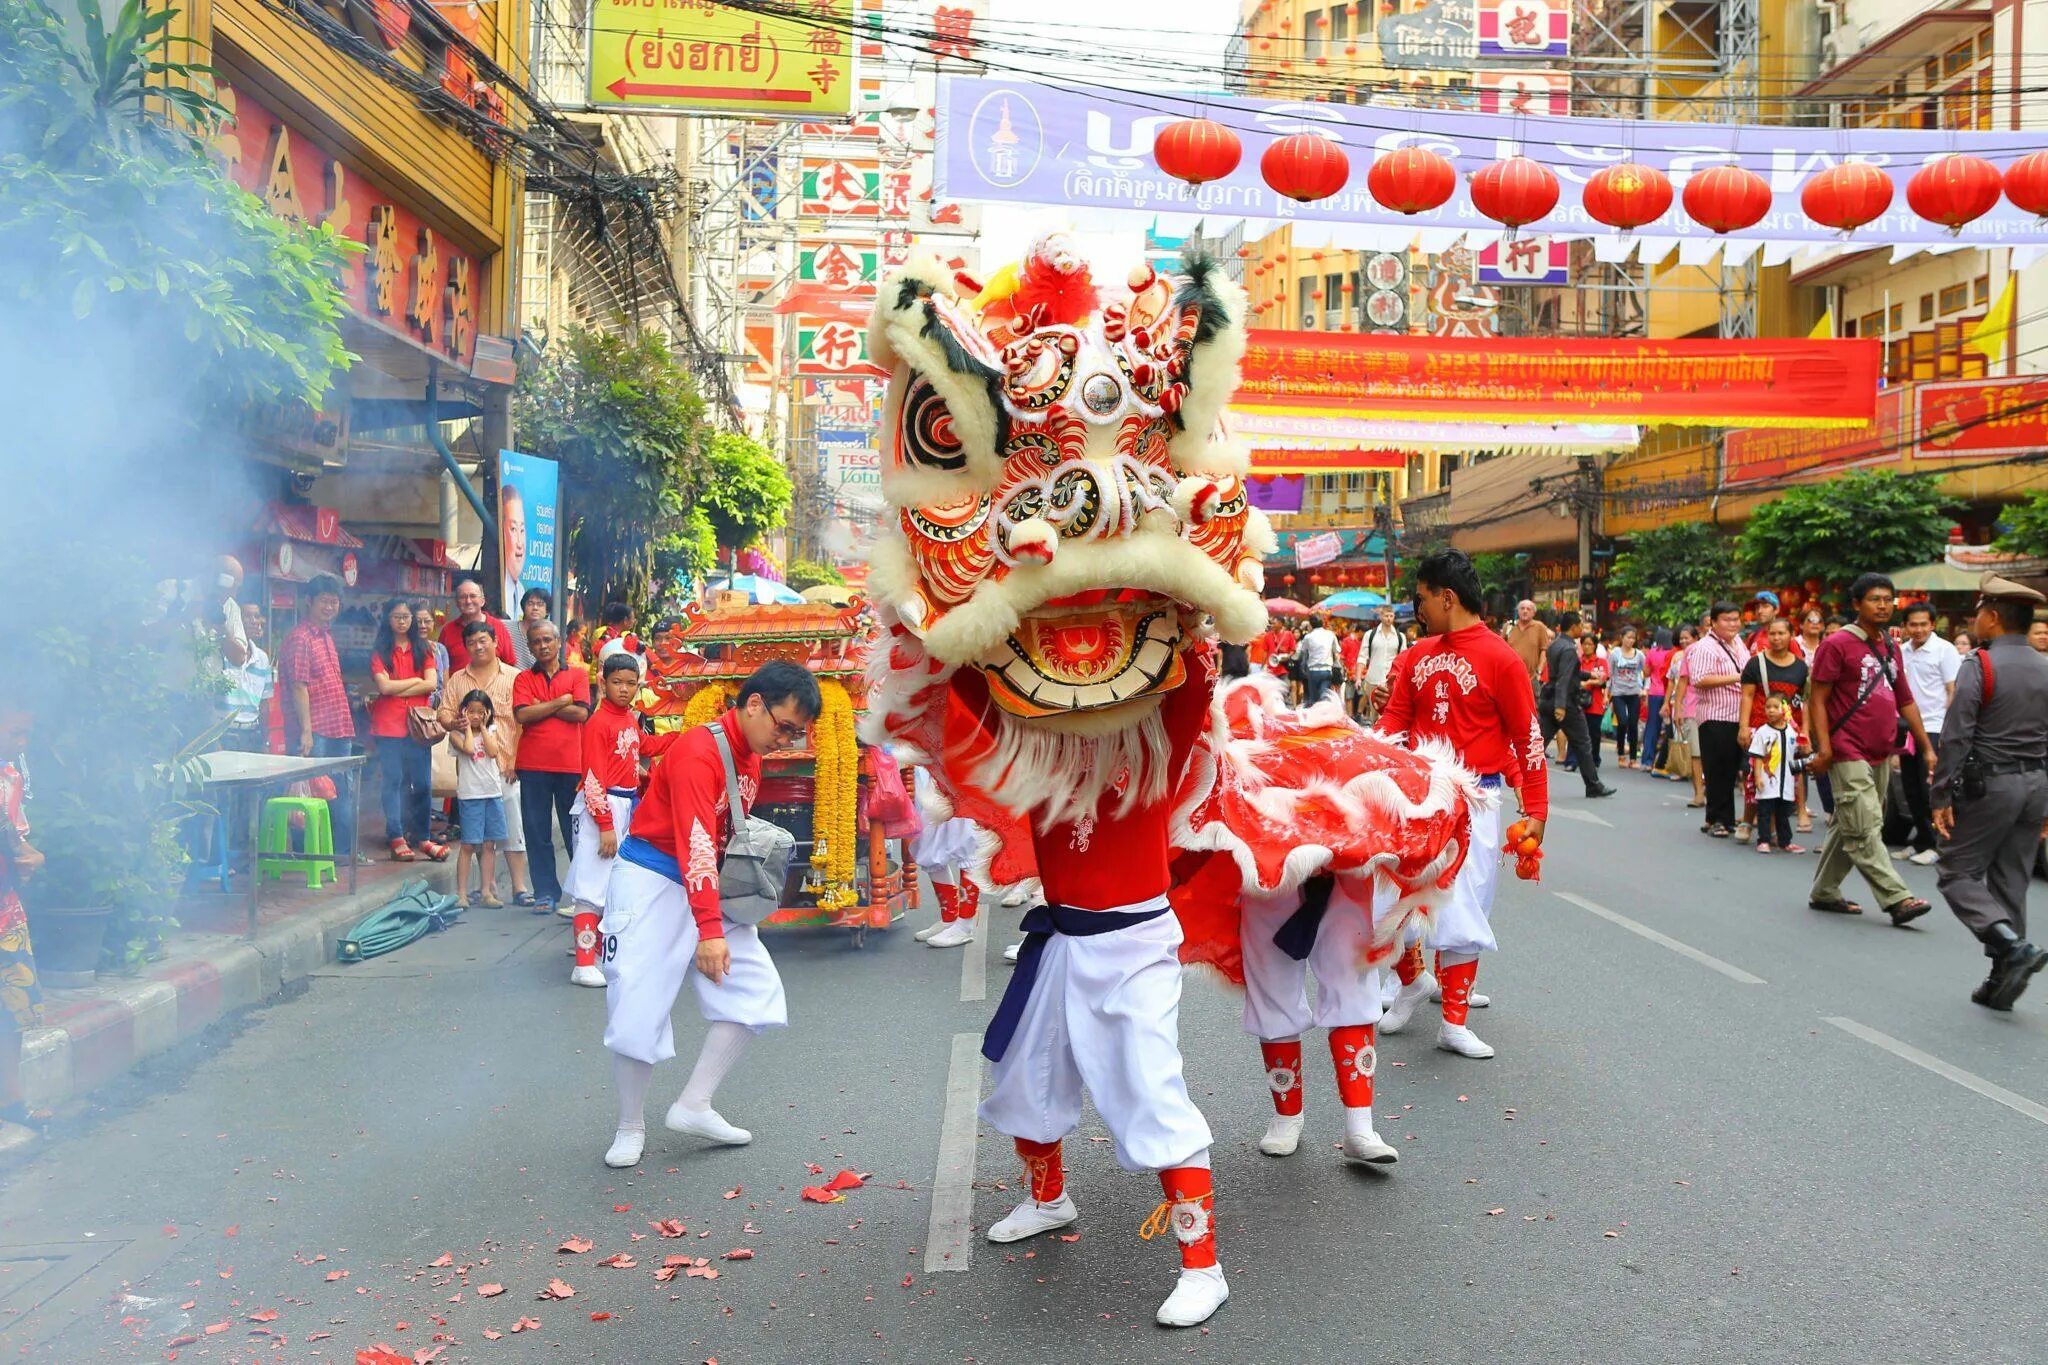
<point>1055,776</point>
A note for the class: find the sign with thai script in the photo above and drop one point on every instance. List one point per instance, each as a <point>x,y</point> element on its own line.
<point>1750,457</point>
<point>703,55</point>
<point>1022,142</point>
<point>1982,419</point>
<point>1323,460</point>
<point>1310,551</point>
<point>1438,37</point>
<point>1704,382</point>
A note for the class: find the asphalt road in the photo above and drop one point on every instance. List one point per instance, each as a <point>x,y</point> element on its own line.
<point>1720,1127</point>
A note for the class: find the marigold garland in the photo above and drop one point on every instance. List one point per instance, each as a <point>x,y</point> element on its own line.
<point>708,703</point>
<point>837,788</point>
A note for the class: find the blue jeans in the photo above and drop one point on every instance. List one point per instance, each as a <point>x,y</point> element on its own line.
<point>1653,724</point>
<point>407,769</point>
<point>342,809</point>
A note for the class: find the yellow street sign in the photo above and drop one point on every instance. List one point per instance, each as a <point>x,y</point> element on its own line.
<point>706,56</point>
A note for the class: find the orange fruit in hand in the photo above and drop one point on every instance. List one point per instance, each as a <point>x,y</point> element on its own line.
<point>1529,848</point>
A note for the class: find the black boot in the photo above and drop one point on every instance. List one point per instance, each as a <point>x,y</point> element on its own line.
<point>2013,963</point>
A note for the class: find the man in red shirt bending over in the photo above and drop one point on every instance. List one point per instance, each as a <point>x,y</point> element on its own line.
<point>1466,686</point>
<point>662,923</point>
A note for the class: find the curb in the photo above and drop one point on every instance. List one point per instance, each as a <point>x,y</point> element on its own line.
<point>220,976</point>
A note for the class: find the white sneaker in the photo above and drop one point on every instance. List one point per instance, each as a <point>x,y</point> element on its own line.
<point>1477,1002</point>
<point>1925,858</point>
<point>925,934</point>
<point>952,935</point>
<point>568,909</point>
<point>1030,1218</point>
<point>1901,854</point>
<point>1369,1149</point>
<point>705,1123</point>
<point>1010,953</point>
<point>1463,1041</point>
<point>586,976</point>
<point>1405,1002</point>
<point>1017,896</point>
<point>1283,1135</point>
<point>1194,1299</point>
<point>627,1144</point>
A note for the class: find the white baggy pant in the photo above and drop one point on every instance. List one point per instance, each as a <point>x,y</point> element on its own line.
<point>1104,1015</point>
<point>589,870</point>
<point>648,946</point>
<point>1462,923</point>
<point>944,850</point>
<point>1276,986</point>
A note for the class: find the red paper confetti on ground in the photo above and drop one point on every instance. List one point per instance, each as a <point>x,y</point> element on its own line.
<point>489,1291</point>
<point>908,1280</point>
<point>231,1230</point>
<point>669,1227</point>
<point>264,1315</point>
<point>622,1208</point>
<point>334,1275</point>
<point>556,1289</point>
<point>846,1180</point>
<point>818,1194</point>
<point>444,1259</point>
<point>734,1192</point>
<point>526,1325</point>
<point>738,1254</point>
<point>217,1328</point>
<point>619,1260</point>
<point>574,1246</point>
<point>492,1334</point>
<point>380,1354</point>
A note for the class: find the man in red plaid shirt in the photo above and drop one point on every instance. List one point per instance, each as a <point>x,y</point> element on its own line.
<point>318,722</point>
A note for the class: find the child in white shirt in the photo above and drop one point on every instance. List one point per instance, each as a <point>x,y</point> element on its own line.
<point>483,768</point>
<point>1775,754</point>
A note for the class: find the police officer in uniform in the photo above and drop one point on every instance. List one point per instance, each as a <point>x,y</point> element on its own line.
<point>1990,787</point>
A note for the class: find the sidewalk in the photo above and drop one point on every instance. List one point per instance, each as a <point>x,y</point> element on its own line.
<point>92,1035</point>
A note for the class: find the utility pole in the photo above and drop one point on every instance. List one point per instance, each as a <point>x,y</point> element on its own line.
<point>1385,517</point>
<point>1586,496</point>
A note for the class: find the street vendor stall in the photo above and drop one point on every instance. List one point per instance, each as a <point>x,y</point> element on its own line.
<point>818,792</point>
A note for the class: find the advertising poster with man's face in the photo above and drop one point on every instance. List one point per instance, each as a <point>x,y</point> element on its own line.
<point>527,527</point>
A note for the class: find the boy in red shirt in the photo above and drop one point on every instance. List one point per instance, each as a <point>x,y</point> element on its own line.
<point>611,784</point>
<point>662,924</point>
<point>1466,686</point>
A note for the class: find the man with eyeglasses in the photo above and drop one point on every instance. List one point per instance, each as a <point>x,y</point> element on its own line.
<point>1990,787</point>
<point>662,923</point>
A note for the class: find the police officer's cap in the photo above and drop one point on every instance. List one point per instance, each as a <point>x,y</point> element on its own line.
<point>1992,588</point>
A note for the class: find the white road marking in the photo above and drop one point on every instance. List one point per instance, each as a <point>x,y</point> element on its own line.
<point>1727,969</point>
<point>948,1242</point>
<point>974,964</point>
<point>1585,816</point>
<point>1969,1080</point>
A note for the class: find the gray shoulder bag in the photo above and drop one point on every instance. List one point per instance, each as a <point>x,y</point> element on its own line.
<point>756,861</point>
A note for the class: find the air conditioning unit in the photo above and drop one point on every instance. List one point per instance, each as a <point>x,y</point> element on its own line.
<point>1845,42</point>
<point>1308,322</point>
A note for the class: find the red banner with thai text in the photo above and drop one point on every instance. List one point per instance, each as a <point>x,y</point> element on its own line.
<point>1265,461</point>
<point>1749,457</point>
<point>1983,419</point>
<point>1703,382</point>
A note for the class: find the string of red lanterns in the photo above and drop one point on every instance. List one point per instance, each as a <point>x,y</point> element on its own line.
<point>1952,190</point>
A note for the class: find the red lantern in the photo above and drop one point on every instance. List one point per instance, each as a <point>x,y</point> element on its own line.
<point>1411,180</point>
<point>1954,190</point>
<point>1197,150</point>
<point>1847,196</point>
<point>1305,167</point>
<point>1626,195</point>
<point>1727,198</point>
<point>1288,579</point>
<point>2026,184</point>
<point>1516,191</point>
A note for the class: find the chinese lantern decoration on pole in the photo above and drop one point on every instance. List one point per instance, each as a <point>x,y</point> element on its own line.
<point>1411,180</point>
<point>1727,198</point>
<point>1954,190</point>
<point>2026,184</point>
<point>1847,196</point>
<point>1626,195</point>
<point>1515,192</point>
<point>1197,150</point>
<point>1305,167</point>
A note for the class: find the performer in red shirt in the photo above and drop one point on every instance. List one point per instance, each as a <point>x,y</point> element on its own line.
<point>603,810</point>
<point>1095,1002</point>
<point>1465,687</point>
<point>662,924</point>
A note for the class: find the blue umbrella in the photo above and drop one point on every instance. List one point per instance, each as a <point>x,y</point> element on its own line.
<point>1354,597</point>
<point>760,591</point>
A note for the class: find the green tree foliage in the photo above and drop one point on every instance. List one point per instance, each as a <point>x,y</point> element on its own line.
<point>747,492</point>
<point>120,235</point>
<point>1670,575</point>
<point>809,573</point>
<point>627,424</point>
<point>2026,526</point>
<point>1862,522</point>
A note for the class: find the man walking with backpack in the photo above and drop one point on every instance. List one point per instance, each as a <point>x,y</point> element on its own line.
<point>1859,704</point>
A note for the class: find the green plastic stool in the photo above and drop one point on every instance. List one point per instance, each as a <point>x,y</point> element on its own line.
<point>276,837</point>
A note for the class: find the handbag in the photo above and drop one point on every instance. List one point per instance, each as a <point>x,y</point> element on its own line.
<point>422,725</point>
<point>756,861</point>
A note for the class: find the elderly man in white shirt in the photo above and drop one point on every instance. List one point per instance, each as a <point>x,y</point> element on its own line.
<point>1931,665</point>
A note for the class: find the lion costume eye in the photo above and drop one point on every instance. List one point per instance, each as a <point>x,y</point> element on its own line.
<point>925,438</point>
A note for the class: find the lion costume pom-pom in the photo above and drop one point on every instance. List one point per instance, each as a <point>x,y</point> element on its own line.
<point>1054,288</point>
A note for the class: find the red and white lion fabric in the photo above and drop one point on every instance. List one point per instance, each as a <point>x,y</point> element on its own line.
<point>1069,533</point>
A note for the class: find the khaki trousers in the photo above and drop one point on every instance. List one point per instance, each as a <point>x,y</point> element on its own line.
<point>1856,840</point>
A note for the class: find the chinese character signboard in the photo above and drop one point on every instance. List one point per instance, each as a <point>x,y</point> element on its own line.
<point>1385,305</point>
<point>1525,28</point>
<point>830,347</point>
<point>1524,92</point>
<point>840,188</point>
<point>1526,260</point>
<point>704,55</point>
<point>847,267</point>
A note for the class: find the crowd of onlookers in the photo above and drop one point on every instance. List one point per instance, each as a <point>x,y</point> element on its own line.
<point>507,703</point>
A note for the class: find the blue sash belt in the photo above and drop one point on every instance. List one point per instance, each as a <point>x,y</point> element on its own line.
<point>637,851</point>
<point>1041,922</point>
<point>1297,937</point>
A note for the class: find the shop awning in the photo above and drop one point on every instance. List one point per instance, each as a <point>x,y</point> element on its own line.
<point>312,525</point>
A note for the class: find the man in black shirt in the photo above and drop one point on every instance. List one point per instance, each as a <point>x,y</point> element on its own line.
<point>1559,706</point>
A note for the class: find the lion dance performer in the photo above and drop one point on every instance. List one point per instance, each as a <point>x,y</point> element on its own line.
<point>1069,529</point>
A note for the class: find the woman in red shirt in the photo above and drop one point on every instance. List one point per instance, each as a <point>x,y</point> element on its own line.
<point>1593,685</point>
<point>405,678</point>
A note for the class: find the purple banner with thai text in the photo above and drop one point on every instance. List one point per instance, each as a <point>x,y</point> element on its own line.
<point>1020,142</point>
<point>1276,492</point>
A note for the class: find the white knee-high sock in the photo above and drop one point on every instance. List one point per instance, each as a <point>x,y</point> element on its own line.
<point>723,1044</point>
<point>631,1077</point>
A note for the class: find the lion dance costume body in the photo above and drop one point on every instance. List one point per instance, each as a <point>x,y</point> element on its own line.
<point>1069,533</point>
